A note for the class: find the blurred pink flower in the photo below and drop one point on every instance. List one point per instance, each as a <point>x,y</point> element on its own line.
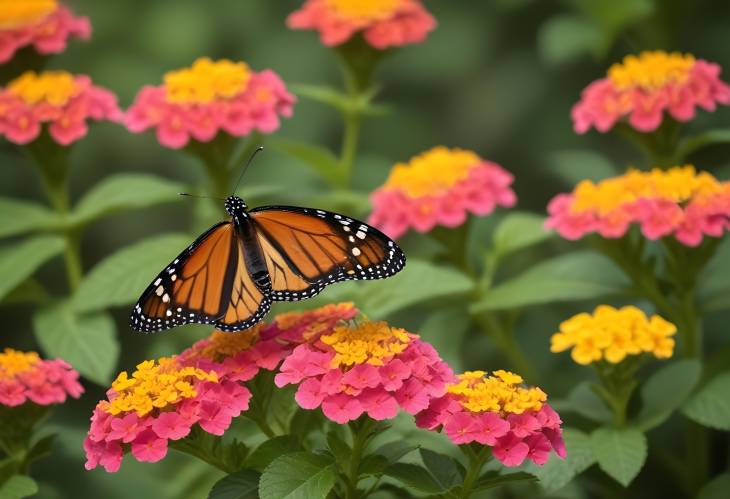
<point>210,97</point>
<point>641,88</point>
<point>383,23</point>
<point>43,24</point>
<point>26,377</point>
<point>439,187</point>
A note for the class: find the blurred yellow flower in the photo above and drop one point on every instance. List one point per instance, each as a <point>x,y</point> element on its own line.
<point>502,392</point>
<point>15,13</point>
<point>651,70</point>
<point>51,87</point>
<point>13,362</point>
<point>206,81</point>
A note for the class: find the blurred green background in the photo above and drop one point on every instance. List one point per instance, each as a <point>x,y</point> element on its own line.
<point>497,77</point>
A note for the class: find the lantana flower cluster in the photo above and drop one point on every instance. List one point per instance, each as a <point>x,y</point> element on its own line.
<point>383,23</point>
<point>207,98</point>
<point>44,24</point>
<point>367,367</point>
<point>612,334</point>
<point>60,100</point>
<point>642,88</point>
<point>496,410</point>
<point>24,377</point>
<point>680,202</point>
<point>439,187</point>
<point>162,400</point>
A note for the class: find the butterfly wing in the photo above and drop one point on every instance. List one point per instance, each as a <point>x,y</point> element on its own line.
<point>306,249</point>
<point>207,283</point>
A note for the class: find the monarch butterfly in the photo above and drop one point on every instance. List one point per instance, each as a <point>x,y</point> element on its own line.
<point>233,272</point>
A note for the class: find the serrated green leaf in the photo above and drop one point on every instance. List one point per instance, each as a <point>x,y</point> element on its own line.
<point>711,405</point>
<point>666,390</point>
<point>269,450</point>
<point>493,479</point>
<point>123,192</point>
<point>242,484</point>
<point>20,217</point>
<point>19,260</point>
<point>519,230</point>
<point>414,476</point>
<point>442,468</point>
<point>319,159</point>
<point>300,475</point>
<point>17,487</point>
<point>120,278</point>
<point>212,450</point>
<point>557,472</point>
<point>620,452</point>
<point>87,342</point>
<point>582,275</point>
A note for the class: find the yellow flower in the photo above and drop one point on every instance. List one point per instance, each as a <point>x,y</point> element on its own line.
<point>364,11</point>
<point>366,343</point>
<point>651,70</point>
<point>52,87</point>
<point>13,362</point>
<point>502,392</point>
<point>206,81</point>
<point>613,334</point>
<point>15,13</point>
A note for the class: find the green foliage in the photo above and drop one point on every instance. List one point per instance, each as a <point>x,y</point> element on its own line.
<point>229,457</point>
<point>271,449</point>
<point>519,230</point>
<point>493,479</point>
<point>242,484</point>
<point>19,260</point>
<point>299,475</point>
<point>666,390</point>
<point>17,487</point>
<point>716,488</point>
<point>620,452</point>
<point>557,472</point>
<point>442,468</point>
<point>710,406</point>
<point>573,165</point>
<point>415,476</point>
<point>317,158</point>
<point>19,217</point>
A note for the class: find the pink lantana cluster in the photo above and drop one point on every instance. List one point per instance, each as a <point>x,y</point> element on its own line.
<point>210,97</point>
<point>439,187</point>
<point>47,28</point>
<point>61,101</point>
<point>642,88</point>
<point>24,377</point>
<point>368,368</point>
<point>497,411</point>
<point>163,400</point>
<point>680,201</point>
<point>383,23</point>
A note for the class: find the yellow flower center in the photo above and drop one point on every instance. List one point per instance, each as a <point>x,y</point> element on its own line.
<point>501,392</point>
<point>651,70</point>
<point>432,172</point>
<point>364,10</point>
<point>13,362</point>
<point>612,334</point>
<point>366,343</point>
<point>51,87</point>
<point>155,385</point>
<point>222,345</point>
<point>678,184</point>
<point>206,81</point>
<point>15,13</point>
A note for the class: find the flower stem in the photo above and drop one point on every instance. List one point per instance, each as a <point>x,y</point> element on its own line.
<point>361,431</point>
<point>476,462</point>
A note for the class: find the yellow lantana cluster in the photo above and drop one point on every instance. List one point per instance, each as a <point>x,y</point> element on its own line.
<point>432,172</point>
<point>13,362</point>
<point>366,343</point>
<point>372,10</point>
<point>154,385</point>
<point>612,334</point>
<point>206,81</point>
<point>501,392</point>
<point>52,87</point>
<point>14,13</point>
<point>220,345</point>
<point>651,70</point>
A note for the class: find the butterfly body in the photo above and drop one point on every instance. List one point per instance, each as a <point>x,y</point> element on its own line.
<point>233,272</point>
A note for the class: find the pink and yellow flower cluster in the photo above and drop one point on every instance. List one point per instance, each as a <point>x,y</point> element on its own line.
<point>680,202</point>
<point>383,23</point>
<point>613,334</point>
<point>496,410</point>
<point>44,24</point>
<point>207,98</point>
<point>367,368</point>
<point>642,88</point>
<point>162,400</point>
<point>24,377</point>
<point>439,187</point>
<point>58,99</point>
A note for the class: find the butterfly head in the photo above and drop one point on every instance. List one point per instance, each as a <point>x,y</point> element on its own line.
<point>234,205</point>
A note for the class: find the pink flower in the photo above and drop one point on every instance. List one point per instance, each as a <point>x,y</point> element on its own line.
<point>148,447</point>
<point>641,89</point>
<point>383,23</point>
<point>491,426</point>
<point>127,428</point>
<point>439,187</point>
<point>171,426</point>
<point>462,428</point>
<point>511,450</point>
<point>341,408</point>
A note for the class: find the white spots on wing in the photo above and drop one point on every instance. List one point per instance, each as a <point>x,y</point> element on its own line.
<point>165,298</point>
<point>159,290</point>
<point>157,282</point>
<point>346,228</point>
<point>173,278</point>
<point>350,272</point>
<point>168,313</point>
<point>356,251</point>
<point>351,239</point>
<point>360,234</point>
<point>179,309</point>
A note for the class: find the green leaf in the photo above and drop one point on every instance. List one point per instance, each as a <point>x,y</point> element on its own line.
<point>493,479</point>
<point>714,280</point>
<point>242,484</point>
<point>19,217</point>
<point>394,451</point>
<point>87,342</point>
<point>565,38</point>
<point>41,448</point>
<point>691,144</point>
<point>716,488</point>
<point>28,291</point>
<point>338,448</point>
<point>212,450</point>
<point>620,452</point>
<point>519,230</point>
<point>120,278</point>
<point>123,192</point>
<point>414,476</point>
<point>585,402</point>
<point>319,159</point>
<point>19,260</point>
<point>442,468</point>
<point>300,475</point>
<point>557,473</point>
<point>666,390</point>
<point>710,406</point>
<point>574,165</point>
<point>269,450</point>
<point>325,95</point>
<point>582,275</point>
<point>17,487</point>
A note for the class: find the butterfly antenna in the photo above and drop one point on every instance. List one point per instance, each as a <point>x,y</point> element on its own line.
<point>250,159</point>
